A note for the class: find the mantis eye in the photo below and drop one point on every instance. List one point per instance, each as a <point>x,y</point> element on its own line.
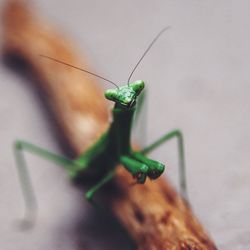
<point>137,86</point>
<point>111,94</point>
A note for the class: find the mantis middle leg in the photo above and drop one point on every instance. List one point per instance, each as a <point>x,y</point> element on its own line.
<point>26,185</point>
<point>182,169</point>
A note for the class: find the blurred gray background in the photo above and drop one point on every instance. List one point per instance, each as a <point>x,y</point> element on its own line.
<point>198,80</point>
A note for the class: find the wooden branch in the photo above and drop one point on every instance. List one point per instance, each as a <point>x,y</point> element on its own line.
<point>154,214</point>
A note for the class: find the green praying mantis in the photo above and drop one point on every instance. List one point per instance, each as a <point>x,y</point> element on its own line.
<point>99,162</point>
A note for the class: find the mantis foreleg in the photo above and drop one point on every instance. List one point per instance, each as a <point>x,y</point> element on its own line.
<point>135,167</point>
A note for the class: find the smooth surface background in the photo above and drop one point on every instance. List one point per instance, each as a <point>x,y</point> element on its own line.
<point>198,80</point>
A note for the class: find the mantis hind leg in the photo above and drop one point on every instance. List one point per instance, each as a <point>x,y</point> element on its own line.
<point>182,169</point>
<point>25,181</point>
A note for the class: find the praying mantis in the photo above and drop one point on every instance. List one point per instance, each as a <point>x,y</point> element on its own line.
<point>99,162</point>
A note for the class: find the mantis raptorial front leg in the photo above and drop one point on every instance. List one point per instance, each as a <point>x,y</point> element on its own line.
<point>182,169</point>
<point>136,168</point>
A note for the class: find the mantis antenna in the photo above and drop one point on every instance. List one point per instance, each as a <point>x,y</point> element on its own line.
<point>86,71</point>
<point>147,50</point>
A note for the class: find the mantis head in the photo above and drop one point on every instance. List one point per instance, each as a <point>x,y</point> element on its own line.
<point>125,96</point>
